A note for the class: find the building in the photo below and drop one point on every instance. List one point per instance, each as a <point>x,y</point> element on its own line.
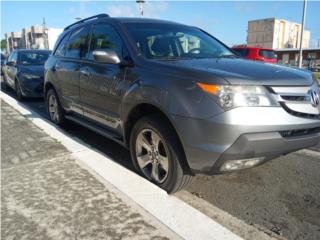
<point>276,34</point>
<point>290,56</point>
<point>34,37</point>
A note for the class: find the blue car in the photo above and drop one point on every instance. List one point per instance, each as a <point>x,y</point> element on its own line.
<point>24,71</point>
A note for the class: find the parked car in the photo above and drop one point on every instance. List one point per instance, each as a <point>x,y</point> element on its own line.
<point>24,72</point>
<point>178,98</point>
<point>314,69</point>
<point>3,61</point>
<point>256,54</point>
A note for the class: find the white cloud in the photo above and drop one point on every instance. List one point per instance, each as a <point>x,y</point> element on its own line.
<point>121,11</point>
<point>150,9</point>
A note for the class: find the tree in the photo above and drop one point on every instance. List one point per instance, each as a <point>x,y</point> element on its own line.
<point>3,44</point>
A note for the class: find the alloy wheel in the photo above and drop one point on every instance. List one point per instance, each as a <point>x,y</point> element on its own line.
<point>152,155</point>
<point>53,108</point>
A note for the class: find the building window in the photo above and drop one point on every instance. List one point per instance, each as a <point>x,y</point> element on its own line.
<point>312,55</point>
<point>285,58</point>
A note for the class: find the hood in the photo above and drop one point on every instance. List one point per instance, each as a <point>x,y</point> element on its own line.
<point>36,70</point>
<point>240,71</point>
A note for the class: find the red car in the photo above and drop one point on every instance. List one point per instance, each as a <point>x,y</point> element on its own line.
<point>256,53</point>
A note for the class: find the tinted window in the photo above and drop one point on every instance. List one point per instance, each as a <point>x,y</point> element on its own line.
<point>267,54</point>
<point>105,37</point>
<point>242,52</point>
<point>13,57</point>
<point>168,41</point>
<point>77,46</point>
<point>33,58</point>
<point>10,57</point>
<point>61,49</point>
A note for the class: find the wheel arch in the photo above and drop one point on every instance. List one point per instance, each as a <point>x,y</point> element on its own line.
<point>47,86</point>
<point>144,109</point>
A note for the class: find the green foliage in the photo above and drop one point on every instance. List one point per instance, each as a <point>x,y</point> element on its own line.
<point>3,44</point>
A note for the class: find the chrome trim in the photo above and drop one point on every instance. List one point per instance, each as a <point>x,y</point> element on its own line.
<point>298,99</point>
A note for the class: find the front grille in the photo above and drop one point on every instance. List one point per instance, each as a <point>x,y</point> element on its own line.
<point>294,98</point>
<point>296,101</point>
<point>299,132</point>
<point>300,114</point>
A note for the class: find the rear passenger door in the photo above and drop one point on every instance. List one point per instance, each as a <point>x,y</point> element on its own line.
<point>68,66</point>
<point>102,84</point>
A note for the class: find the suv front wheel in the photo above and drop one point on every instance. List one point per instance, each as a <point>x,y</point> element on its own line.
<point>156,153</point>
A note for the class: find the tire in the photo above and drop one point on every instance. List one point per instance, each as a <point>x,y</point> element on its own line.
<point>5,82</point>
<point>54,109</point>
<point>19,94</point>
<point>166,156</point>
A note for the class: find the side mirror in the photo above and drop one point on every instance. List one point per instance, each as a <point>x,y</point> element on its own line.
<point>106,56</point>
<point>11,63</point>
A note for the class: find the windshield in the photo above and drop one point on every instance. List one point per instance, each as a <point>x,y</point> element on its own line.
<point>241,51</point>
<point>268,54</point>
<point>33,58</point>
<point>174,42</point>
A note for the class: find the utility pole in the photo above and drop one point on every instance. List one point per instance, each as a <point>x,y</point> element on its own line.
<point>302,31</point>
<point>141,2</point>
<point>45,34</point>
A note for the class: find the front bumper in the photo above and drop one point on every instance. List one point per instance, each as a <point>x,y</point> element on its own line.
<point>32,87</point>
<point>243,133</point>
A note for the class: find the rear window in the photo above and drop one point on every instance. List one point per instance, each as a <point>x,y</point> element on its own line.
<point>267,54</point>
<point>242,52</point>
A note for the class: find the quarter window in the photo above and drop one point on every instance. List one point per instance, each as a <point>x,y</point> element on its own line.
<point>77,46</point>
<point>104,37</point>
<point>61,49</point>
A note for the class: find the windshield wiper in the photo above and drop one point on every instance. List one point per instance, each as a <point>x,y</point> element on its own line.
<point>228,56</point>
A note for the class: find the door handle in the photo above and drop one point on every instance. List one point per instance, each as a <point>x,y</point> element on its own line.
<point>85,73</point>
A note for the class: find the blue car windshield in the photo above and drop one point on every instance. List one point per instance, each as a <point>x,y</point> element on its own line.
<point>33,58</point>
<point>174,42</point>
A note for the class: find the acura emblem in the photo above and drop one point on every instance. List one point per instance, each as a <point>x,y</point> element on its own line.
<point>314,97</point>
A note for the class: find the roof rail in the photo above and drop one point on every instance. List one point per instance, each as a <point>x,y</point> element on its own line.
<point>102,15</point>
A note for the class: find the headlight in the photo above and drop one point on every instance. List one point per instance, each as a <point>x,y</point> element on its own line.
<point>232,96</point>
<point>30,76</point>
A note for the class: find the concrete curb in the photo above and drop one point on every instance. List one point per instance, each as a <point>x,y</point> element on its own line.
<point>177,215</point>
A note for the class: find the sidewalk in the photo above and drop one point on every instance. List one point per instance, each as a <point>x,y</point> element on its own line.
<point>45,194</point>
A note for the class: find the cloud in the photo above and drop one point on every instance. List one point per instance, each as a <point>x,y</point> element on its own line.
<point>150,9</point>
<point>244,7</point>
<point>121,11</point>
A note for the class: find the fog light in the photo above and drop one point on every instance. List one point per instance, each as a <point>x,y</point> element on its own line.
<point>232,165</point>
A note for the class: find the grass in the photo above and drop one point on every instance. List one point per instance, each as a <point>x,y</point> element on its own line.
<point>317,74</point>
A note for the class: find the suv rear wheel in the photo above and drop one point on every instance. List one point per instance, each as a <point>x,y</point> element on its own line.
<point>156,153</point>
<point>54,109</point>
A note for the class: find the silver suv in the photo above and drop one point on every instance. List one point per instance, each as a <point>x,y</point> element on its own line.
<point>178,98</point>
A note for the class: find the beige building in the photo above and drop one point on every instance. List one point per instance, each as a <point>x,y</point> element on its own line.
<point>34,37</point>
<point>276,33</point>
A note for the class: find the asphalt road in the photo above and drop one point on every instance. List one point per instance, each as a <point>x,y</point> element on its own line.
<point>281,196</point>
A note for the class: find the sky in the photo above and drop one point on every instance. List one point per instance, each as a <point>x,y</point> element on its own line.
<point>226,20</point>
